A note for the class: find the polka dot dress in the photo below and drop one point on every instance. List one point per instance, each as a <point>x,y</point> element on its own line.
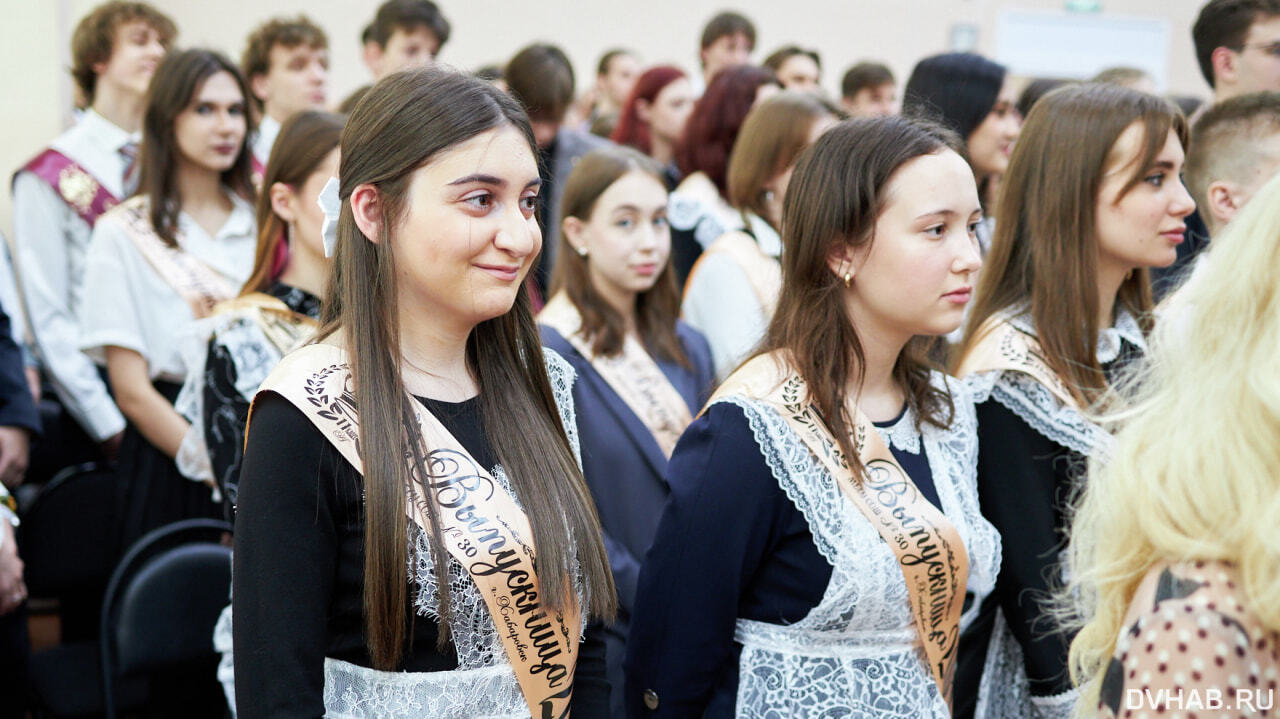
<point>1192,650</point>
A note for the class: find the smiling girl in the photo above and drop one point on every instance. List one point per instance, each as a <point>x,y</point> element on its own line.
<point>782,581</point>
<point>1093,198</point>
<point>384,560</point>
<point>642,373</point>
<point>162,259</point>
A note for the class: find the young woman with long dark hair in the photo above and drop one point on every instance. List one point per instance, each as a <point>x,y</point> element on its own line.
<point>974,97</point>
<point>384,552</point>
<point>823,526</point>
<point>278,308</point>
<point>642,373</point>
<point>163,258</point>
<point>1092,200</point>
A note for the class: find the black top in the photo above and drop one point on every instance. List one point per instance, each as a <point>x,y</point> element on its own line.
<point>730,545</point>
<point>225,409</point>
<point>1026,483</point>
<point>299,564</point>
<point>17,406</point>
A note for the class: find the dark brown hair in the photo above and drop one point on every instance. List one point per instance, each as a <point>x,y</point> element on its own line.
<point>1226,23</point>
<point>173,89</point>
<point>656,308</point>
<point>408,15</point>
<point>728,23</point>
<point>95,36</point>
<point>305,140</point>
<point>541,78</point>
<point>837,193</point>
<point>1045,249</point>
<point>864,74</point>
<point>772,137</point>
<point>403,123</point>
<point>779,57</point>
<point>285,32</point>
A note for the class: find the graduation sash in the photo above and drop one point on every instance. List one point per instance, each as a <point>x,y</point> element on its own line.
<point>930,553</point>
<point>283,328</point>
<point>483,527</point>
<point>764,274</point>
<point>198,284</point>
<point>82,192</point>
<point>1002,346</point>
<point>632,374</point>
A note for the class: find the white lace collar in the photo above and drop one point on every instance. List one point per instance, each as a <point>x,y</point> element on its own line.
<point>902,433</point>
<point>1109,339</point>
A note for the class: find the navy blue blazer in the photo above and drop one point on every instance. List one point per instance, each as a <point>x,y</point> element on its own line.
<point>17,407</point>
<point>623,465</point>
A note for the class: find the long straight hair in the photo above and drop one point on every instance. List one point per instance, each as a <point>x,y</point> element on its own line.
<point>404,122</point>
<point>304,141</point>
<point>173,88</point>
<point>1045,249</point>
<point>658,307</point>
<point>837,193</point>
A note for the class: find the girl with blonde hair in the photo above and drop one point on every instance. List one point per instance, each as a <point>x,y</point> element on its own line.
<point>1175,555</point>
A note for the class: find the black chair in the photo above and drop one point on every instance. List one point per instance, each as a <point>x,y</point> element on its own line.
<point>66,540</point>
<point>158,616</point>
<point>155,647</point>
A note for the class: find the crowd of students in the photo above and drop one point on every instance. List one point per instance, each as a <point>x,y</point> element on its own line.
<point>805,406</point>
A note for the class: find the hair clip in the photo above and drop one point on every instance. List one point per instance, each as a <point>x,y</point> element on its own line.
<point>331,205</point>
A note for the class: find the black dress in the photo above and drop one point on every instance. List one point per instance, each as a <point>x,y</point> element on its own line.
<point>299,565</point>
<point>1027,482</point>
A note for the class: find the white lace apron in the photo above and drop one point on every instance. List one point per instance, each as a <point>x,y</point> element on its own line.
<point>856,654</point>
<point>1005,689</point>
<point>484,685</point>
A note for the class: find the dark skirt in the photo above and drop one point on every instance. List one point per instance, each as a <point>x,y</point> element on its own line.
<point>150,492</point>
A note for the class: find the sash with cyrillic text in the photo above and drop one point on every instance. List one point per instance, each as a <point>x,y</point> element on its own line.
<point>928,548</point>
<point>201,286</point>
<point>483,527</point>
<point>632,374</point>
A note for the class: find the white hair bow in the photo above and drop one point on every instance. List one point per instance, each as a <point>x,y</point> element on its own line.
<point>331,205</point>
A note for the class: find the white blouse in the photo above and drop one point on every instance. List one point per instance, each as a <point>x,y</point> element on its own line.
<point>128,304</point>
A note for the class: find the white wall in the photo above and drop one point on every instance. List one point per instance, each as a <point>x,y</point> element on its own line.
<point>35,34</point>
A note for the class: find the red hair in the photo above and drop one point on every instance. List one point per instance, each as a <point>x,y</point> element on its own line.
<point>716,118</point>
<point>631,130</point>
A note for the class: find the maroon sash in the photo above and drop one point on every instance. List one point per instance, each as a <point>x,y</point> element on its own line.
<point>81,191</point>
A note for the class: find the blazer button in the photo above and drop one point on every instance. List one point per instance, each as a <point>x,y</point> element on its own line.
<point>651,699</point>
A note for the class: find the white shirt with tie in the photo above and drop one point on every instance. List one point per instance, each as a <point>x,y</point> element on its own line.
<point>52,240</point>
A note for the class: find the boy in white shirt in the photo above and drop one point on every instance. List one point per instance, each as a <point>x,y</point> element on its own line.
<point>59,195</point>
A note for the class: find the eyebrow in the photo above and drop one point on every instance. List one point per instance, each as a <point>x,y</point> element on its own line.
<point>1162,165</point>
<point>945,213</point>
<point>637,208</point>
<point>492,180</point>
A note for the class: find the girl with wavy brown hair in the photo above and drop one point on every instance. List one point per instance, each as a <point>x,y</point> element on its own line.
<point>823,529</point>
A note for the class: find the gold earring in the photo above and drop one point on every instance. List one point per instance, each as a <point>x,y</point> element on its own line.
<point>848,278</point>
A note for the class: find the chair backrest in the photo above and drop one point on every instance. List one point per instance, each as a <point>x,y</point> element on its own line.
<point>66,536</point>
<point>163,601</point>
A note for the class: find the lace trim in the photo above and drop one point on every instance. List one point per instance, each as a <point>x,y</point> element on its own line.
<point>355,692</point>
<point>1034,404</point>
<point>902,433</point>
<point>809,668</point>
